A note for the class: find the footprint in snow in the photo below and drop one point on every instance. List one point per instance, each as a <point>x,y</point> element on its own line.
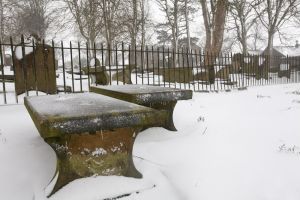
<point>296,92</point>
<point>296,101</point>
<point>200,119</point>
<point>293,149</point>
<point>2,138</point>
<point>262,96</point>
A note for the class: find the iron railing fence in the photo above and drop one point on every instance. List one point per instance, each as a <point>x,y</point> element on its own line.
<point>37,68</point>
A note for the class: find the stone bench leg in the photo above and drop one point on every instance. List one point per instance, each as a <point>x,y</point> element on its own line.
<point>102,153</point>
<point>169,107</point>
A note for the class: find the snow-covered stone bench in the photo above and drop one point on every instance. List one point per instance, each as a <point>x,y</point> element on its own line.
<point>159,98</point>
<point>91,134</point>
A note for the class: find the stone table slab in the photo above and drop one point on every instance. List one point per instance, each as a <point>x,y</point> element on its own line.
<point>55,115</point>
<point>143,94</point>
<point>160,98</point>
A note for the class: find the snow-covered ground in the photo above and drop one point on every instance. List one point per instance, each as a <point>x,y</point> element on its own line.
<point>229,145</point>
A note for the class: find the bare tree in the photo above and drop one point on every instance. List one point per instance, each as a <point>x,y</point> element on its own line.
<point>32,17</point>
<point>3,7</point>
<point>135,18</point>
<point>214,17</point>
<point>187,24</point>
<point>88,18</point>
<point>7,20</point>
<point>173,28</point>
<point>256,37</point>
<point>112,23</point>
<point>144,17</point>
<point>243,17</point>
<point>189,8</point>
<point>274,14</point>
<point>2,27</point>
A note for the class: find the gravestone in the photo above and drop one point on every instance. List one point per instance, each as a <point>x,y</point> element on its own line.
<point>236,63</point>
<point>101,74</point>
<point>7,60</point>
<point>123,74</point>
<point>224,73</point>
<point>36,70</point>
<point>177,74</point>
<point>256,66</point>
<point>97,72</point>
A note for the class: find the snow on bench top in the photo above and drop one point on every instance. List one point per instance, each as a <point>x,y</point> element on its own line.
<point>87,112</point>
<point>143,94</point>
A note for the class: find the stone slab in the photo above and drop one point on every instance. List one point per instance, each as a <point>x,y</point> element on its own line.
<point>143,94</point>
<point>56,115</point>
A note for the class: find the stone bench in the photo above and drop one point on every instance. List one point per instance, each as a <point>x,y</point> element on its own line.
<point>91,134</point>
<point>160,98</point>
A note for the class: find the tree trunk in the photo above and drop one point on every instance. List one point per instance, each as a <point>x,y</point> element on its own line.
<point>107,27</point>
<point>207,25</point>
<point>214,34</point>
<point>176,32</point>
<point>133,33</point>
<point>2,32</point>
<point>91,41</point>
<point>132,50</point>
<point>187,25</point>
<point>270,42</point>
<point>143,31</point>
<point>1,21</point>
<point>219,24</point>
<point>176,29</point>
<point>244,37</point>
<point>143,22</point>
<point>269,51</point>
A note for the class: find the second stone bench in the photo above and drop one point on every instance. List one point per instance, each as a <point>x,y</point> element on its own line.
<point>159,98</point>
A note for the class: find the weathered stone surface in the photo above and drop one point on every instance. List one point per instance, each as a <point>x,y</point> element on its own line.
<point>103,153</point>
<point>160,98</point>
<point>36,69</point>
<point>99,74</point>
<point>91,134</point>
<point>123,74</point>
<point>56,115</point>
<point>143,94</point>
<point>177,74</point>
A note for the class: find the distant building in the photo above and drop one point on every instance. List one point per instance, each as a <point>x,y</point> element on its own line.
<point>255,52</point>
<point>280,54</point>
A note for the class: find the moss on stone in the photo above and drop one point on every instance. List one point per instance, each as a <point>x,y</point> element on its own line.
<point>110,164</point>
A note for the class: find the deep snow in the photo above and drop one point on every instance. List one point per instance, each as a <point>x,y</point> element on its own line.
<point>229,145</point>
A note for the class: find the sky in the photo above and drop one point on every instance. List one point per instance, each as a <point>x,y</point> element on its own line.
<point>197,30</point>
<point>197,27</point>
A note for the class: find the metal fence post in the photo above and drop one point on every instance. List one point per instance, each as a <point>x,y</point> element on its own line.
<point>72,67</point>
<point>63,65</point>
<point>23,64</point>
<point>13,66</point>
<point>3,78</point>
